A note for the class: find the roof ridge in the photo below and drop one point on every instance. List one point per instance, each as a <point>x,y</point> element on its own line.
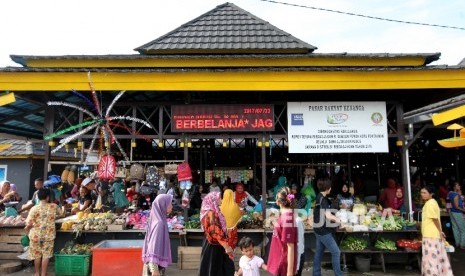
<point>207,34</point>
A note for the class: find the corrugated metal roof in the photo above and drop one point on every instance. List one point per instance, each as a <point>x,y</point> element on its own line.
<point>226,29</point>
<point>28,148</point>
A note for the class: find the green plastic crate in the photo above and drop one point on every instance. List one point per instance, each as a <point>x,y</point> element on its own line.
<point>72,265</point>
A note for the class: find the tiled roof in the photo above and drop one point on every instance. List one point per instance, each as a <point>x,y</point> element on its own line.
<point>226,29</point>
<point>232,69</point>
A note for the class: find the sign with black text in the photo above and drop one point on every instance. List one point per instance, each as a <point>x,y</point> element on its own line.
<point>222,118</point>
<point>337,127</point>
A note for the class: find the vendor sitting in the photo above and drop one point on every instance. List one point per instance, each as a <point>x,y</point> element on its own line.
<point>242,197</point>
<point>84,201</point>
<point>8,194</point>
<point>398,203</point>
<point>300,199</point>
<point>107,202</point>
<point>146,197</point>
<point>345,198</point>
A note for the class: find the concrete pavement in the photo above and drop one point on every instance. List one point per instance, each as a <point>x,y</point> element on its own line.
<point>458,266</point>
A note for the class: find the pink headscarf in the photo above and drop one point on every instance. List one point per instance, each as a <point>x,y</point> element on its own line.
<point>210,203</point>
<point>13,187</point>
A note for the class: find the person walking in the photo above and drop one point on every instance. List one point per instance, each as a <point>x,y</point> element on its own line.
<point>282,260</point>
<point>322,217</point>
<point>232,215</point>
<point>40,224</point>
<point>434,257</point>
<point>456,215</point>
<point>216,258</point>
<point>156,252</point>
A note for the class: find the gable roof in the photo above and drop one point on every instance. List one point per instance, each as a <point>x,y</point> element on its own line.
<point>226,29</point>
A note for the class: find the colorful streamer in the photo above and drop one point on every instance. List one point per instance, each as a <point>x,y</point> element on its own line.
<point>70,138</point>
<point>84,98</point>
<point>63,131</point>
<point>72,106</point>
<point>110,107</point>
<point>137,120</point>
<point>98,122</point>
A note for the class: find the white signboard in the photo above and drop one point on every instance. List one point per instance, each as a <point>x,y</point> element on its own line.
<point>337,127</point>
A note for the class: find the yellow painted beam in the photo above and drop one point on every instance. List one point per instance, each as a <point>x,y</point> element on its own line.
<point>235,81</point>
<point>328,61</point>
<point>5,146</point>
<point>449,115</point>
<point>7,98</point>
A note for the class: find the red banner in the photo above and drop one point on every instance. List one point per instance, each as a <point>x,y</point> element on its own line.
<point>222,118</point>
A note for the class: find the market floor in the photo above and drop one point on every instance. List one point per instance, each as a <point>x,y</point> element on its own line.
<point>174,271</point>
<point>458,266</point>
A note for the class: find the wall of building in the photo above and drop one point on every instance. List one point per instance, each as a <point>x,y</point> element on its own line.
<point>19,173</point>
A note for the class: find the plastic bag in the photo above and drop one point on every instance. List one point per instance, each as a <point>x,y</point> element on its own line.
<point>25,240</point>
<point>98,203</point>
<point>185,199</point>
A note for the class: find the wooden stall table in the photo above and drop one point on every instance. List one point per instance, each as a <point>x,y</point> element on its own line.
<point>10,248</point>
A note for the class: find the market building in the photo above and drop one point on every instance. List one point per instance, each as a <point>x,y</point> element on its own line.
<point>229,59</point>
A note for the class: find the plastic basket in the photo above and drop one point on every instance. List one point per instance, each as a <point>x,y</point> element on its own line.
<point>72,265</point>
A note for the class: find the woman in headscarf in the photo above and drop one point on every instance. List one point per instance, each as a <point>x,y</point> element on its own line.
<point>217,255</point>
<point>398,200</point>
<point>345,198</point>
<point>300,199</point>
<point>389,193</point>
<point>8,193</point>
<point>156,252</point>
<point>241,197</point>
<point>232,215</point>
<point>121,201</point>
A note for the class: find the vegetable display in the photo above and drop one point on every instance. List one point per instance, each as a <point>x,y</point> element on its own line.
<point>354,244</point>
<point>409,244</point>
<point>385,244</point>
<point>192,224</point>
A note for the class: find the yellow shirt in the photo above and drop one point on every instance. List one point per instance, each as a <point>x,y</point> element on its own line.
<point>430,211</point>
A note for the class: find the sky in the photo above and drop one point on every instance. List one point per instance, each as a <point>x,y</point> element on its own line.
<point>101,27</point>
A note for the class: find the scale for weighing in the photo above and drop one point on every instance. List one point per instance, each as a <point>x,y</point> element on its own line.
<point>10,208</point>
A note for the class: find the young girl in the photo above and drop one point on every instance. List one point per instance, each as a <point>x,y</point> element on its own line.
<point>249,264</point>
<point>282,260</point>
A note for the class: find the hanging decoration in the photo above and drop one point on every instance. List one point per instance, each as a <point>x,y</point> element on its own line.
<point>99,122</point>
<point>455,141</point>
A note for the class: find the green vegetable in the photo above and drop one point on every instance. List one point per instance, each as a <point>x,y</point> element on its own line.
<point>192,224</point>
<point>385,244</point>
<point>354,244</point>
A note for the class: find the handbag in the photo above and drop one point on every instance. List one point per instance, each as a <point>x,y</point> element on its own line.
<point>121,172</point>
<point>184,171</point>
<point>171,168</point>
<point>107,167</point>
<point>137,172</point>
